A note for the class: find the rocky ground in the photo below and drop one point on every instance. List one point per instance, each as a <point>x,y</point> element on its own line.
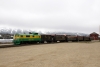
<point>73,54</point>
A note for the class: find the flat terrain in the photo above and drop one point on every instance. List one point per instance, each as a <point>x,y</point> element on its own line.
<point>73,54</point>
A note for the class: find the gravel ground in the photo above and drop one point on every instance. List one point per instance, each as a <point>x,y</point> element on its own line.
<point>52,55</point>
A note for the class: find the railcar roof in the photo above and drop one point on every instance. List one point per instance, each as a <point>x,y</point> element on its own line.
<point>25,34</point>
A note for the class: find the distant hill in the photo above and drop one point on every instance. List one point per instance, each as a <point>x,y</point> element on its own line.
<point>6,33</point>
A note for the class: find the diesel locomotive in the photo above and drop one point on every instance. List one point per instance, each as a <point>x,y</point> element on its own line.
<point>41,38</point>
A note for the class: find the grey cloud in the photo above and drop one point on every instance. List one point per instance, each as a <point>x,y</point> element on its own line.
<point>69,15</point>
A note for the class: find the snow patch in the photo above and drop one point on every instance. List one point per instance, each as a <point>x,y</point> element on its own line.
<point>6,40</point>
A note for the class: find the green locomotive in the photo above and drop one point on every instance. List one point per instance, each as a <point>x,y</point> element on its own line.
<point>26,38</point>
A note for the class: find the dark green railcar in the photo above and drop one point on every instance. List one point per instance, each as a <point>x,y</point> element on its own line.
<point>47,38</point>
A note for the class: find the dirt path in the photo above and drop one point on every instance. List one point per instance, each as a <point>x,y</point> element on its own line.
<point>52,55</point>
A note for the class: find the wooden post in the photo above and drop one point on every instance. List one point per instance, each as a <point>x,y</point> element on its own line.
<point>99,33</point>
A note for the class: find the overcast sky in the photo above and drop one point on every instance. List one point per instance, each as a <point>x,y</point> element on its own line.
<point>67,15</point>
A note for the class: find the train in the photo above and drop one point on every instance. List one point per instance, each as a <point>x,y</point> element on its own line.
<point>30,38</point>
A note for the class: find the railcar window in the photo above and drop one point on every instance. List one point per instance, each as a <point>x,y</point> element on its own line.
<point>33,35</point>
<point>27,35</point>
<point>21,35</point>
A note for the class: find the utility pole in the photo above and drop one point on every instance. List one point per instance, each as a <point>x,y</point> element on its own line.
<point>99,29</point>
<point>99,32</point>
